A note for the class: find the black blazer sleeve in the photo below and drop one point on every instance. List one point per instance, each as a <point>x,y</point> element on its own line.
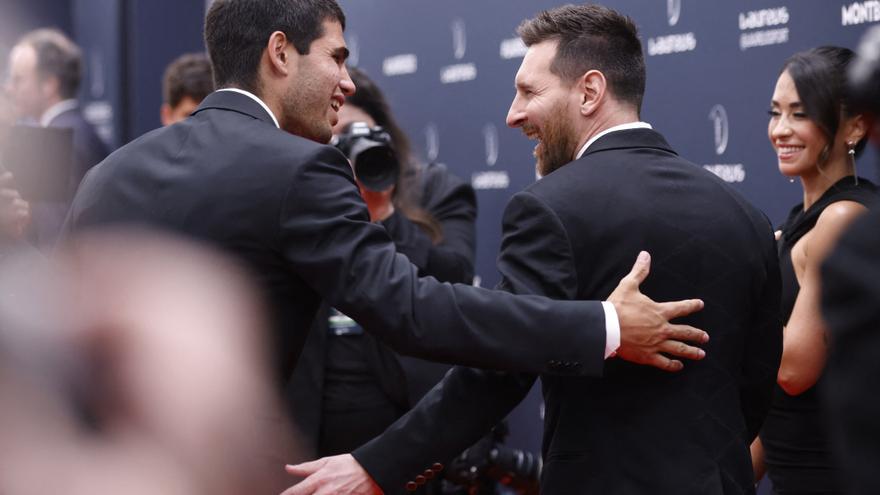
<point>763,347</point>
<point>536,258</point>
<point>324,231</point>
<point>454,205</point>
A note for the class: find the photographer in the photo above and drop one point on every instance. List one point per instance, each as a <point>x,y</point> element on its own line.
<point>430,214</point>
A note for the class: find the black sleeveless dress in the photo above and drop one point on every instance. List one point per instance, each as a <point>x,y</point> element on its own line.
<point>795,435</point>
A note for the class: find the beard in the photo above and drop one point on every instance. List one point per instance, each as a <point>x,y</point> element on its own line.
<point>305,118</point>
<point>557,142</point>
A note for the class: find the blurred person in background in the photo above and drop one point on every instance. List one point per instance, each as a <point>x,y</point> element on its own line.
<point>132,363</point>
<point>348,386</point>
<point>45,70</point>
<point>817,136</point>
<point>851,307</point>
<point>187,81</point>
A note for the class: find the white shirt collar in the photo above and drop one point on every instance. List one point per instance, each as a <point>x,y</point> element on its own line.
<point>56,110</point>
<point>256,99</point>
<point>621,127</point>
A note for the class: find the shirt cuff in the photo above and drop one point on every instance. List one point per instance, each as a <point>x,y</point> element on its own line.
<point>612,330</point>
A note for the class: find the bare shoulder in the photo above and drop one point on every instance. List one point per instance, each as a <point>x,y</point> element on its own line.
<point>833,220</point>
<point>838,215</point>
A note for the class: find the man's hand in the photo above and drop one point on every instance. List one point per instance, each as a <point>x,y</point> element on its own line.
<point>15,212</point>
<point>645,332</point>
<point>332,475</point>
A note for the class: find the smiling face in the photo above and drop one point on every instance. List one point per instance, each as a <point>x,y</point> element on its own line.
<point>545,108</point>
<point>317,88</point>
<point>797,140</point>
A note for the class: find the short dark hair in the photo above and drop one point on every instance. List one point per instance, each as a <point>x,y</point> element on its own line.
<point>57,56</point>
<point>820,77</point>
<point>592,37</point>
<point>236,32</point>
<point>189,75</point>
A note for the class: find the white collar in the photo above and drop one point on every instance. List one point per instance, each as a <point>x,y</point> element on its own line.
<point>256,99</point>
<point>56,110</point>
<point>621,127</point>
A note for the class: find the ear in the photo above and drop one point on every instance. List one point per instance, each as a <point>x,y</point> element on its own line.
<point>50,86</point>
<point>165,114</point>
<point>591,89</point>
<point>278,54</point>
<point>855,128</point>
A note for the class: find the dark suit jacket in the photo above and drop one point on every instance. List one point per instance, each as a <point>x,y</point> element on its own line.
<point>88,151</point>
<point>88,148</point>
<point>289,209</point>
<point>851,306</point>
<point>637,430</point>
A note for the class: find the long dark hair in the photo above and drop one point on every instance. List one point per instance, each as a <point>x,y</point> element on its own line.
<point>369,98</point>
<point>820,76</point>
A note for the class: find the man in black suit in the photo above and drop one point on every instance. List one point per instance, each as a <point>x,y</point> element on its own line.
<point>568,236</point>
<point>45,69</point>
<point>288,208</point>
<point>851,308</point>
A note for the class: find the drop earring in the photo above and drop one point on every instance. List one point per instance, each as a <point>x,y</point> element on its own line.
<point>852,160</point>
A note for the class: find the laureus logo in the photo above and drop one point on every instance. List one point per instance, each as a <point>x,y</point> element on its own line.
<point>490,138</point>
<point>459,38</point>
<point>354,49</point>
<point>673,11</point>
<point>718,116</point>
<point>432,142</point>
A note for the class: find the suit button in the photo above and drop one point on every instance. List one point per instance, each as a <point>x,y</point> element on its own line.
<point>429,474</point>
<point>411,486</point>
<point>437,467</point>
<point>420,480</point>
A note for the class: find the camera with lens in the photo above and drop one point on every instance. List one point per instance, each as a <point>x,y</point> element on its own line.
<point>372,156</point>
<point>489,468</point>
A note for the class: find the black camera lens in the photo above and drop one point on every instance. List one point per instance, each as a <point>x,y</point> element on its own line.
<point>372,156</point>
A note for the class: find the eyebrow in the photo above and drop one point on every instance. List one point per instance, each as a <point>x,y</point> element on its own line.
<point>795,104</point>
<point>341,52</point>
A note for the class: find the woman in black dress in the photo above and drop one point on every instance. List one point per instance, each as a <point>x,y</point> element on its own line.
<point>816,140</point>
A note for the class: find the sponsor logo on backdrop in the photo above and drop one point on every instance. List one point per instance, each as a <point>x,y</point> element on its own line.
<point>763,27</point>
<point>673,11</point>
<point>672,43</point>
<point>354,49</point>
<point>859,13</point>
<point>398,65</point>
<point>492,179</point>
<point>458,72</point>
<point>459,38</point>
<point>490,138</point>
<point>96,73</point>
<point>728,172</point>
<point>512,48</point>
<point>718,116</point>
<point>432,142</point>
